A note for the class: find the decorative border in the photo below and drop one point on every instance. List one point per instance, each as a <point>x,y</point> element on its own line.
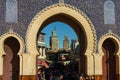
<point>110,34</point>
<point>11,33</point>
<point>31,28</point>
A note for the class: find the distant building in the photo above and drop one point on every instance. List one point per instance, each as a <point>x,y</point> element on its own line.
<point>66,43</point>
<point>54,42</point>
<point>41,46</point>
<point>74,45</point>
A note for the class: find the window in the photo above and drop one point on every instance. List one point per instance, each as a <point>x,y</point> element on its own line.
<point>11,11</point>
<point>109,12</point>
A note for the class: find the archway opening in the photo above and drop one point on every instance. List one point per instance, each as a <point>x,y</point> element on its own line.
<point>79,31</point>
<point>11,59</point>
<point>110,48</point>
<point>74,24</point>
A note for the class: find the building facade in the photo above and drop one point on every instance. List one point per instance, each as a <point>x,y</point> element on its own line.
<point>41,46</point>
<point>54,41</point>
<point>66,43</point>
<point>74,45</point>
<point>96,23</point>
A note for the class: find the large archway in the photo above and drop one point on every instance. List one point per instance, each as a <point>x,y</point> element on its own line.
<point>69,15</point>
<point>78,30</point>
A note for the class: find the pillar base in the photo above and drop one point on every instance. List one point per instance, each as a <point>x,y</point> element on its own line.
<point>1,77</point>
<point>27,77</point>
<point>98,77</point>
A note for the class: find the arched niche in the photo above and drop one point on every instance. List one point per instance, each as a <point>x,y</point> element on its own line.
<point>11,11</point>
<point>109,12</point>
<point>12,48</point>
<point>108,48</point>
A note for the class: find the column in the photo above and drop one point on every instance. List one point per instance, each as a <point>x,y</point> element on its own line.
<point>21,66</point>
<point>98,66</point>
<point>40,50</point>
<point>1,67</point>
<point>90,66</point>
<point>32,66</point>
<point>118,66</point>
<point>44,55</point>
<point>28,67</point>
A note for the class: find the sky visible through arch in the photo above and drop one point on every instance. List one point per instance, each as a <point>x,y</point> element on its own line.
<point>62,29</point>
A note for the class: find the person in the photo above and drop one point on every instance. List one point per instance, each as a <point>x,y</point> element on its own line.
<point>60,77</point>
<point>82,77</point>
<point>44,64</point>
<point>39,74</point>
<point>45,70</point>
<point>51,75</point>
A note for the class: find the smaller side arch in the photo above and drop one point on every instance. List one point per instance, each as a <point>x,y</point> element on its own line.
<point>108,57</point>
<point>11,33</point>
<point>3,38</point>
<point>106,36</point>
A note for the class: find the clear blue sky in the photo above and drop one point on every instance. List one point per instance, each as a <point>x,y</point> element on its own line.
<point>62,29</point>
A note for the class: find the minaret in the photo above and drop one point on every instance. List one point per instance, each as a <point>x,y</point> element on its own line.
<point>54,42</point>
<point>66,43</point>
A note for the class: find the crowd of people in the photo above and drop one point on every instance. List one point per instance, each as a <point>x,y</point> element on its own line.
<point>48,73</point>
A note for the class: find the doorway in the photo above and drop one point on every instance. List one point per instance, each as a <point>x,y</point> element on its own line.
<point>74,59</point>
<point>109,61</point>
<point>11,59</point>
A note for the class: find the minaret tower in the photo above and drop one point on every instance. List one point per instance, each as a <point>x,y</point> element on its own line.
<point>54,42</point>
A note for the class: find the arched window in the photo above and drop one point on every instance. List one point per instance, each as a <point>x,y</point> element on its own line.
<point>11,11</point>
<point>109,12</point>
